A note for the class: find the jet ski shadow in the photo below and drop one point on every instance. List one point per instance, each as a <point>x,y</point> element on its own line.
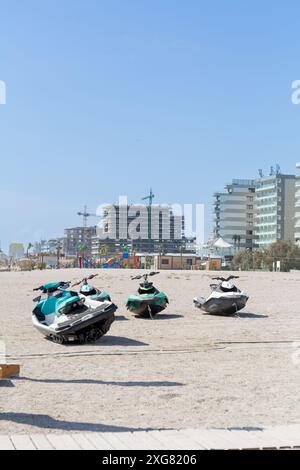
<point>168,316</point>
<point>162,316</point>
<point>47,422</point>
<point>251,315</point>
<point>121,318</point>
<point>235,315</point>
<point>118,341</point>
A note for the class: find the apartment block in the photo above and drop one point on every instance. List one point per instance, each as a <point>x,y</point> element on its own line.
<point>297,207</point>
<point>275,195</point>
<point>79,240</point>
<point>235,214</point>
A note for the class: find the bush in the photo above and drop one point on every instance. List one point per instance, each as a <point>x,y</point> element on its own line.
<point>41,265</point>
<point>287,252</point>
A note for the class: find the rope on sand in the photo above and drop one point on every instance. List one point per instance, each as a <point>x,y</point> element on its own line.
<point>202,348</point>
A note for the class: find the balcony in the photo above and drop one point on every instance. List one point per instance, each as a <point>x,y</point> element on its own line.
<point>267,187</point>
<point>266,206</point>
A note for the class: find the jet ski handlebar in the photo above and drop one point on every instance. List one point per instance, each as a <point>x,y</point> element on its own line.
<point>85,279</point>
<point>63,283</point>
<point>145,276</point>
<point>223,279</point>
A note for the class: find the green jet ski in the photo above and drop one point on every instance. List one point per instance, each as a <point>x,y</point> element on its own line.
<point>147,301</point>
<point>87,290</point>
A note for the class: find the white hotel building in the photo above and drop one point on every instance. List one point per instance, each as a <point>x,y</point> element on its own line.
<point>297,207</point>
<point>255,213</point>
<point>275,196</point>
<point>235,214</point>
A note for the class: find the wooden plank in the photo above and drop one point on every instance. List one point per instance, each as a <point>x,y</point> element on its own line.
<point>289,434</point>
<point>264,440</point>
<point>62,442</point>
<point>225,438</point>
<point>210,439</point>
<point>98,441</point>
<point>196,436</point>
<point>41,442</point>
<point>244,439</point>
<point>275,438</point>
<point>83,442</point>
<point>182,441</point>
<point>135,440</point>
<point>280,439</point>
<point>148,441</point>
<point>114,439</point>
<point>22,442</point>
<point>9,370</point>
<point>168,440</point>
<point>6,443</point>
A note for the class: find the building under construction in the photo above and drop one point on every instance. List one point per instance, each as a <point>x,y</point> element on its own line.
<point>135,228</point>
<point>145,229</point>
<point>78,240</point>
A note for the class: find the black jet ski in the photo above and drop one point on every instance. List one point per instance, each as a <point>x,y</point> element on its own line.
<point>225,298</point>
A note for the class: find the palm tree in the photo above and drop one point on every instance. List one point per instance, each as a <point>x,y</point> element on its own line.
<point>81,248</point>
<point>58,250</point>
<point>103,250</point>
<point>30,245</point>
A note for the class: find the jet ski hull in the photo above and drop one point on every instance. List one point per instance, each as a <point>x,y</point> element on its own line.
<point>221,305</point>
<point>146,305</point>
<point>85,327</point>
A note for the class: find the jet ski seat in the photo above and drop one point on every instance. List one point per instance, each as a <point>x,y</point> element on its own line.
<point>143,290</point>
<point>226,289</point>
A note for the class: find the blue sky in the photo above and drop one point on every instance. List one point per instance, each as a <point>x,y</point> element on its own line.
<point>109,97</point>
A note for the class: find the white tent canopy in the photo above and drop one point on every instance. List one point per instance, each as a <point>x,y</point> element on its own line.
<point>220,243</point>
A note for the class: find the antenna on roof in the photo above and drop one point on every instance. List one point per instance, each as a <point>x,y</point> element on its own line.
<point>278,170</point>
<point>260,172</point>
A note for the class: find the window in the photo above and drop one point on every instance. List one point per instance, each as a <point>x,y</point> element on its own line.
<point>164,261</point>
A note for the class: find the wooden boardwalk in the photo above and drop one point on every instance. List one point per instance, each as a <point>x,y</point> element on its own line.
<point>278,437</point>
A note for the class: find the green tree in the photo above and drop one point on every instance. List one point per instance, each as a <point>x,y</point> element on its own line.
<point>243,260</point>
<point>287,252</point>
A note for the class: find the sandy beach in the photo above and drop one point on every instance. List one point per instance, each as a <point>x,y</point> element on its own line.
<point>182,370</point>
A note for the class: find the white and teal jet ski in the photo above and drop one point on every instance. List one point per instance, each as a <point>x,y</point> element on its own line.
<point>66,316</point>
